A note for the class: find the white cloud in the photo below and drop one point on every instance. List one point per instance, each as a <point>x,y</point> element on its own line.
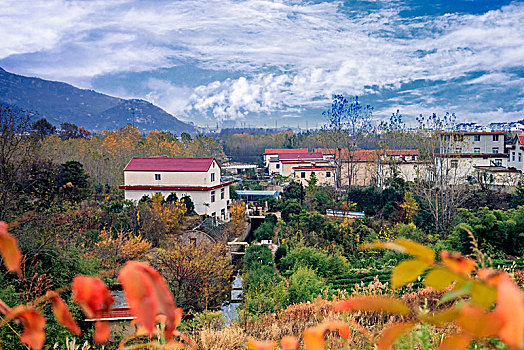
<point>288,54</point>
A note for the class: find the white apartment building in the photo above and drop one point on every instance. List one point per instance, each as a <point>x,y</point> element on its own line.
<point>198,178</point>
<point>516,153</point>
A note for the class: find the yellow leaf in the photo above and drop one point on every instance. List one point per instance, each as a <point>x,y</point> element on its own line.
<point>407,271</point>
<point>483,295</point>
<point>437,318</point>
<point>392,333</point>
<point>440,278</point>
<point>373,303</point>
<point>405,246</point>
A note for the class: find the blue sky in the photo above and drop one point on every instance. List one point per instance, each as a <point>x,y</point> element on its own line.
<point>258,61</point>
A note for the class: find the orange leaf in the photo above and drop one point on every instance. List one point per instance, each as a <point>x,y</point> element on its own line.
<point>392,333</point>
<point>102,331</point>
<point>91,294</point>
<point>314,336</point>
<point>9,249</point>
<point>455,342</point>
<point>148,295</point>
<point>405,246</point>
<point>289,343</point>
<point>261,345</point>
<point>62,313</point>
<point>478,322</point>
<point>457,263</point>
<point>373,303</point>
<point>407,271</point>
<point>510,308</point>
<point>33,321</point>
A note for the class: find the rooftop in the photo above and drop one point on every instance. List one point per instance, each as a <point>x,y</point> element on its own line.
<point>285,150</point>
<point>164,163</point>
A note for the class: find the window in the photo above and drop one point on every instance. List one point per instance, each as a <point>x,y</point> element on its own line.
<point>157,177</point>
<point>447,137</point>
<point>277,166</point>
<point>476,137</point>
<point>413,157</point>
<point>513,156</point>
<point>495,149</point>
<point>498,162</point>
<point>495,137</point>
<point>223,214</point>
<point>458,138</point>
<point>328,173</point>
<point>222,194</point>
<point>312,173</point>
<point>303,175</point>
<point>476,150</point>
<point>214,214</point>
<point>212,196</point>
<point>520,157</point>
<point>212,177</point>
<point>458,150</point>
<point>454,164</point>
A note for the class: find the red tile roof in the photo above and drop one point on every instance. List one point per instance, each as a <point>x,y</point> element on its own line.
<point>521,139</point>
<point>285,150</point>
<point>365,154</point>
<point>300,156</point>
<point>164,163</point>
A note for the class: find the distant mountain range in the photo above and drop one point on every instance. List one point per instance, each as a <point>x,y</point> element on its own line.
<point>60,102</point>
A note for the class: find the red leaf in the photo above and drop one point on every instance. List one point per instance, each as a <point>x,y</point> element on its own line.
<point>33,321</point>
<point>392,333</point>
<point>148,295</point>
<point>455,342</point>
<point>102,331</point>
<point>62,313</point>
<point>289,343</point>
<point>93,296</point>
<point>9,249</point>
<point>457,263</point>
<point>478,322</point>
<point>373,303</point>
<point>253,344</point>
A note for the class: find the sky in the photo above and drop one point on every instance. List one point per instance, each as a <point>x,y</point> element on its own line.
<point>266,63</point>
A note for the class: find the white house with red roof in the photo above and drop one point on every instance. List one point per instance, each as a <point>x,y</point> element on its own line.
<point>272,154</point>
<point>282,163</point>
<point>198,178</point>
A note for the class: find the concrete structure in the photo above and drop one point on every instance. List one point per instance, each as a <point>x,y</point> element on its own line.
<point>461,153</point>
<point>516,153</point>
<point>325,174</point>
<point>239,168</point>
<point>198,178</point>
<point>283,164</point>
<point>374,167</point>
<point>256,195</point>
<point>273,153</point>
<point>499,178</point>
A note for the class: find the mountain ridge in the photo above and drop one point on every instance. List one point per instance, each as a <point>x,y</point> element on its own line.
<point>61,102</point>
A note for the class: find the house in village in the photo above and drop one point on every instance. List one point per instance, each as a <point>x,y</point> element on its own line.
<point>475,157</point>
<point>271,154</point>
<point>284,163</point>
<point>198,178</point>
<point>373,167</point>
<point>325,174</point>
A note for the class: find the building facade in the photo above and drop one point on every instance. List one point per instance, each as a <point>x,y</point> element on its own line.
<point>198,178</point>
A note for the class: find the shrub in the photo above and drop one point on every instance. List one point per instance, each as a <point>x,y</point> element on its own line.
<point>323,264</point>
<point>257,255</point>
<point>304,285</point>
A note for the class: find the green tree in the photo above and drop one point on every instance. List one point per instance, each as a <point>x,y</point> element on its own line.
<point>304,285</point>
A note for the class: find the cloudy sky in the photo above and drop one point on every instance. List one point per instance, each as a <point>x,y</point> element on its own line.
<point>258,61</point>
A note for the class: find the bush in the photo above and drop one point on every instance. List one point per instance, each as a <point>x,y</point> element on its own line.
<point>256,256</point>
<point>323,264</point>
<point>304,285</point>
<point>291,208</point>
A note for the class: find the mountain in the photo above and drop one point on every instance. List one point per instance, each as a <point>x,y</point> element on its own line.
<point>60,102</point>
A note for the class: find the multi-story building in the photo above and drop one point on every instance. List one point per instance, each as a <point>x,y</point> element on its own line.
<point>284,163</point>
<point>463,153</point>
<point>198,178</point>
<point>272,154</point>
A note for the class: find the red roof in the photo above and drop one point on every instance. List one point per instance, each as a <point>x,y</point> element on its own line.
<point>474,133</point>
<point>300,156</point>
<point>365,154</point>
<point>164,163</point>
<point>285,150</point>
<point>521,139</point>
<point>113,314</point>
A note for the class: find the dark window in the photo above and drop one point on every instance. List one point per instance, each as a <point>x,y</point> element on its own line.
<point>476,150</point>
<point>212,196</point>
<point>222,194</point>
<point>157,177</point>
<point>223,214</point>
<point>495,149</point>
<point>495,137</point>
<point>212,177</point>
<point>520,157</point>
<point>476,138</point>
<point>454,163</point>
<point>277,166</point>
<point>498,162</point>
<point>302,174</point>
<point>328,174</point>
<point>513,156</point>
